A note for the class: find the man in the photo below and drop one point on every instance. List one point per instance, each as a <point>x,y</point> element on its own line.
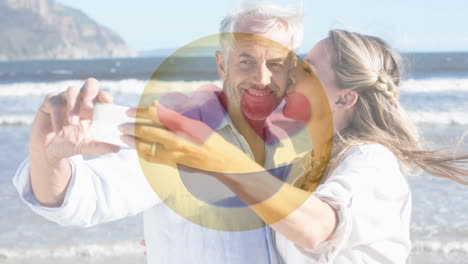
<point>58,184</point>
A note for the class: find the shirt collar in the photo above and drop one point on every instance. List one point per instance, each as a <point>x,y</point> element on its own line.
<point>213,113</point>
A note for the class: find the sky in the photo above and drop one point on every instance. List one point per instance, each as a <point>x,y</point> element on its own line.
<point>408,25</point>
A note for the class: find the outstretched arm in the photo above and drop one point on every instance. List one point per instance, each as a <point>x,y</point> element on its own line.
<point>58,184</point>
<point>297,214</point>
<point>60,131</point>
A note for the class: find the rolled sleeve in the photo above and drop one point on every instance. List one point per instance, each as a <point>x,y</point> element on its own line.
<point>100,190</point>
<point>340,200</point>
<point>22,183</point>
<point>372,200</point>
<point>368,192</point>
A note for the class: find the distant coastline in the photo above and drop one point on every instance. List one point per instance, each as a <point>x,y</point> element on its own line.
<point>45,29</point>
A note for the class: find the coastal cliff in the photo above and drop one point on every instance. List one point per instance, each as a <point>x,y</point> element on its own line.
<point>45,29</point>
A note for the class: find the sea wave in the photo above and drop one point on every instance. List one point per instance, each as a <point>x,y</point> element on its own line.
<point>135,86</point>
<point>428,101</point>
<point>439,118</point>
<point>80,250</point>
<point>126,248</point>
<point>9,120</point>
<point>431,85</point>
<point>128,86</point>
<point>440,247</point>
<point>62,72</point>
<point>419,118</point>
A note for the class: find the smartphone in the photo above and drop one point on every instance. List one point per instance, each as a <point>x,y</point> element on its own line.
<point>106,121</point>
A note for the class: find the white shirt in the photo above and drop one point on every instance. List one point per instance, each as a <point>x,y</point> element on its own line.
<point>113,186</point>
<point>373,202</point>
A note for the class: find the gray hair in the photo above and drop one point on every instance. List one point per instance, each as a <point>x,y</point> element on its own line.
<point>268,16</point>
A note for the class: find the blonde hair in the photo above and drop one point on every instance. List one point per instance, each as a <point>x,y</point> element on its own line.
<point>369,66</point>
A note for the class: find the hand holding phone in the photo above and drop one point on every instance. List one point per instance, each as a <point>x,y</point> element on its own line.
<point>106,120</point>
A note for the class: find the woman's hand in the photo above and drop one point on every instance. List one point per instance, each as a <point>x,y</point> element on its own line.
<point>184,141</point>
<point>181,140</point>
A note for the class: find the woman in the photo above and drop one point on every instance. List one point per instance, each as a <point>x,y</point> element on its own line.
<point>360,211</point>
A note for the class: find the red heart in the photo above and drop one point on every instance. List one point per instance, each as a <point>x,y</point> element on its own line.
<point>177,112</point>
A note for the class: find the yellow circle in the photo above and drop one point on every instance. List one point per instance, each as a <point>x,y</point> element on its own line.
<point>166,180</point>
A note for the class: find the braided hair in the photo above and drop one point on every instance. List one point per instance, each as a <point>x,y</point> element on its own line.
<point>369,66</point>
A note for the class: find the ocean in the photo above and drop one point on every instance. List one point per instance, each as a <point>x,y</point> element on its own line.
<point>434,92</point>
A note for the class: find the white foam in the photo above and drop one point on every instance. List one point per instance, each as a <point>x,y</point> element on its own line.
<point>32,88</point>
<point>426,118</point>
<point>128,86</point>
<point>439,118</point>
<point>62,72</point>
<point>134,248</point>
<point>134,86</point>
<point>423,108</point>
<point>92,250</point>
<point>16,119</point>
<point>440,247</point>
<point>434,85</point>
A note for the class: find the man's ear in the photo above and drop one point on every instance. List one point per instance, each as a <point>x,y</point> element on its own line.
<point>221,66</point>
<point>347,99</point>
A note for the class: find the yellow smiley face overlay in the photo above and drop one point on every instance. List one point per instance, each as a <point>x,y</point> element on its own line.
<point>201,199</point>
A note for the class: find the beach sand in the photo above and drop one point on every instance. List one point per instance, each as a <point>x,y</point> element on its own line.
<point>130,259</point>
<point>141,259</point>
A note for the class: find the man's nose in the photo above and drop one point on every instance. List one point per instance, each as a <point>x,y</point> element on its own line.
<point>263,74</point>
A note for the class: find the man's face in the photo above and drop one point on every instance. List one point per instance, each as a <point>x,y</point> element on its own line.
<point>256,73</point>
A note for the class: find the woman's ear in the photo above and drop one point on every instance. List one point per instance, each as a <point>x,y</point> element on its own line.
<point>347,99</point>
<point>221,66</point>
<point>294,61</point>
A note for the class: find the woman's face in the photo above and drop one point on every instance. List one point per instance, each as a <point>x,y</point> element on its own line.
<point>314,73</point>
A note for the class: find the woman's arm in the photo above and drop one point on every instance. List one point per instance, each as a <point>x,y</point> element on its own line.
<point>295,213</point>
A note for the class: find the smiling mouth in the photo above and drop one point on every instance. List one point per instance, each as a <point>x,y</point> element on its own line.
<point>260,92</point>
